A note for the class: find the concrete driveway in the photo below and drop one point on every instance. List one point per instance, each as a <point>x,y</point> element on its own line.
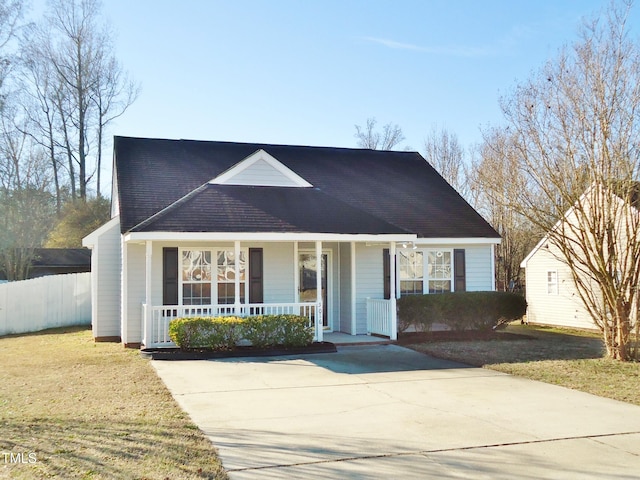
<point>379,412</point>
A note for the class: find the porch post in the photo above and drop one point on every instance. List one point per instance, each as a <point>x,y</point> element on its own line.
<point>493,267</point>
<point>393,334</point>
<point>236,266</point>
<point>296,274</point>
<point>147,294</point>
<point>319,306</point>
<point>354,325</point>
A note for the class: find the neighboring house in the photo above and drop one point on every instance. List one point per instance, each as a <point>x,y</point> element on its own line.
<point>57,261</point>
<point>217,228</point>
<point>552,295</point>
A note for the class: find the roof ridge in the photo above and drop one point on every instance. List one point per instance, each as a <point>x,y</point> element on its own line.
<point>263,144</point>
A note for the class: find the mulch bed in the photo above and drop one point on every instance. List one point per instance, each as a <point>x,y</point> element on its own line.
<point>202,354</point>
<point>408,338</point>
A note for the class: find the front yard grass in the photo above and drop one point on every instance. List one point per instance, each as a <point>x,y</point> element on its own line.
<point>92,411</point>
<point>569,358</point>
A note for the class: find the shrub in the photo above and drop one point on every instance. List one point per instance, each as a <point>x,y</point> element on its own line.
<point>215,333</point>
<point>286,330</point>
<point>297,332</point>
<point>223,333</point>
<point>463,310</point>
<point>414,311</point>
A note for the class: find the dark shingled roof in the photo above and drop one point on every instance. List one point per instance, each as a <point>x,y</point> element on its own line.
<point>354,191</point>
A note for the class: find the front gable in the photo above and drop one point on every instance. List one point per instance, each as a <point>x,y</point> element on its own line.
<point>260,170</point>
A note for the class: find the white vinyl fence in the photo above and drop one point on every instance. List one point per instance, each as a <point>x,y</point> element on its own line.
<point>45,302</point>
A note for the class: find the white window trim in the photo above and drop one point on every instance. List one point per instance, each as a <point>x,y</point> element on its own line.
<point>399,278</point>
<point>214,271</point>
<point>554,284</point>
<point>425,266</point>
<point>330,300</point>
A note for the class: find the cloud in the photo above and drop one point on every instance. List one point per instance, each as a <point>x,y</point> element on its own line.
<point>454,50</point>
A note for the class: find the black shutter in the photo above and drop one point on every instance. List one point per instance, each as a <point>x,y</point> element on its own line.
<point>386,273</point>
<point>170,276</point>
<point>459,271</point>
<point>256,277</point>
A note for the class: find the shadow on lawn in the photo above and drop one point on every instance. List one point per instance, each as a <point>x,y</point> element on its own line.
<point>118,450</point>
<point>516,345</point>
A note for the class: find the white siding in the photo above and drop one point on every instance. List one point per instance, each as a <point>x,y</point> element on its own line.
<point>369,281</point>
<point>106,267</point>
<point>279,280</point>
<point>261,173</point>
<point>477,267</point>
<point>135,284</point>
<point>562,309</point>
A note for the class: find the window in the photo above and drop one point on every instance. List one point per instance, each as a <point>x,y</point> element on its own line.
<point>226,267</point>
<point>196,277</point>
<point>200,286</point>
<point>552,282</point>
<point>416,278</point>
<point>439,271</point>
<point>411,272</point>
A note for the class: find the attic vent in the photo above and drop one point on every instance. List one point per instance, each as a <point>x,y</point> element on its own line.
<point>260,169</point>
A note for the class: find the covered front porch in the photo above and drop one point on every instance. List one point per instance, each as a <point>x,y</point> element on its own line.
<point>247,277</point>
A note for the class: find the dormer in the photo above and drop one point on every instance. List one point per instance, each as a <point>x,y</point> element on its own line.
<point>261,170</point>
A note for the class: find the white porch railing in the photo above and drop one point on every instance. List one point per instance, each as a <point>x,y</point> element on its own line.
<point>156,322</point>
<point>379,316</point>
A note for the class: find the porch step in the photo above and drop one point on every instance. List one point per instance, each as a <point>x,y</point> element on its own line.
<point>345,339</point>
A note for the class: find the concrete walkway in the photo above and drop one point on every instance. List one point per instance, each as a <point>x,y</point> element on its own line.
<point>378,412</point>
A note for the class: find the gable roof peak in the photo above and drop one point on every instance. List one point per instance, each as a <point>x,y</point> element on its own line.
<point>260,169</point>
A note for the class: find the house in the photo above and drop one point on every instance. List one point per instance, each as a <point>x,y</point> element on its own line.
<point>57,261</point>
<point>219,228</point>
<point>551,291</point>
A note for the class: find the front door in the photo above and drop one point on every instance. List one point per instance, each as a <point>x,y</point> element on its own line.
<point>307,290</point>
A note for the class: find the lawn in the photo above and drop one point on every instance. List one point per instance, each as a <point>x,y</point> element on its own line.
<point>72,408</point>
<point>569,358</point>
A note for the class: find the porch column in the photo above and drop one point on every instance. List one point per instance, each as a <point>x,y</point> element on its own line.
<point>236,266</point>
<point>296,274</point>
<point>393,334</point>
<point>493,267</point>
<point>354,325</point>
<point>147,295</point>
<point>319,306</point>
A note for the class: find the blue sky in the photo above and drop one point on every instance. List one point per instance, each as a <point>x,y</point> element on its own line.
<point>306,71</point>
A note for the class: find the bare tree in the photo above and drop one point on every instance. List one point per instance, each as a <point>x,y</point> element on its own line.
<point>493,185</point>
<point>27,207</point>
<point>576,128</point>
<point>368,137</point>
<point>11,12</point>
<point>444,153</point>
<point>79,86</point>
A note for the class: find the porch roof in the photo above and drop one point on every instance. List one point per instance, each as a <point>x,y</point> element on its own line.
<point>231,208</point>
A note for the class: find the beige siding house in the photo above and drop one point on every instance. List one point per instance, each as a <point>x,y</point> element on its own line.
<point>552,295</point>
<point>552,298</point>
<point>221,228</point>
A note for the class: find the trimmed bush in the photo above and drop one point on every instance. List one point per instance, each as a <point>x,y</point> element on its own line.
<point>462,310</point>
<point>271,330</point>
<point>224,333</point>
<point>219,333</point>
<point>415,312</point>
